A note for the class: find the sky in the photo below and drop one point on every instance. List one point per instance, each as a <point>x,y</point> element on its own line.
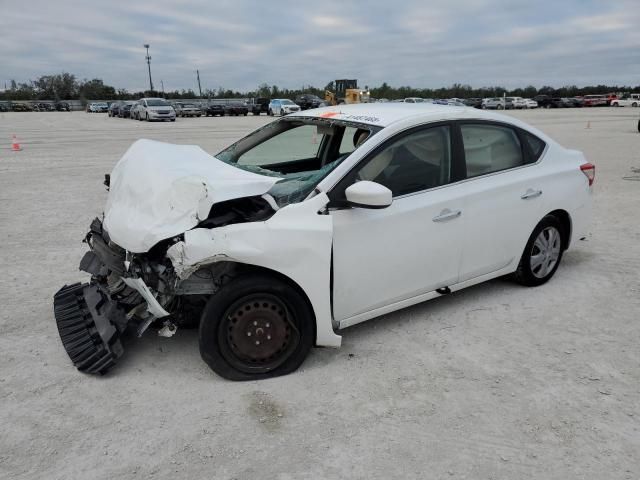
<point>240,44</point>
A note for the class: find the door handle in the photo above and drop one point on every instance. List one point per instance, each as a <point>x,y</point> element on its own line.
<point>530,193</point>
<point>447,214</point>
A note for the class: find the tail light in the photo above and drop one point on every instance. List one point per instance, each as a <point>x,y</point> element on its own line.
<point>589,171</point>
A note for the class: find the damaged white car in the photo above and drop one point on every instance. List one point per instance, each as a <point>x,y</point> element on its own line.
<point>316,222</point>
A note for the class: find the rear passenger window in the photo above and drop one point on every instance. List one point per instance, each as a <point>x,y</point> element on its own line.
<point>490,148</point>
<point>536,145</point>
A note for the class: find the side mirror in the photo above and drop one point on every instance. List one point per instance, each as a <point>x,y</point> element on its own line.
<point>366,194</point>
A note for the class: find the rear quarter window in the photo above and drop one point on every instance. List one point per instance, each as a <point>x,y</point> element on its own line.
<point>536,146</point>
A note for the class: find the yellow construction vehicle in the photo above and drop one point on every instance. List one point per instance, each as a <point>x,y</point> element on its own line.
<point>347,91</point>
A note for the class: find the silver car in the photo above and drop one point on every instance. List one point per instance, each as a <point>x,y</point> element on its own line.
<point>187,109</point>
<point>154,109</point>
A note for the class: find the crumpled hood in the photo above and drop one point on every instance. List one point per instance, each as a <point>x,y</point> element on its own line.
<point>159,190</point>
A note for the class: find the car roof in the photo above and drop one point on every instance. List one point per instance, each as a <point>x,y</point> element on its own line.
<point>387,114</point>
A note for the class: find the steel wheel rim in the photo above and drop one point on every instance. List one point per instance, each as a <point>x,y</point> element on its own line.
<point>258,333</point>
<point>545,252</point>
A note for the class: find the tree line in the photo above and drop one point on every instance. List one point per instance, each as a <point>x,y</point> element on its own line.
<point>65,86</point>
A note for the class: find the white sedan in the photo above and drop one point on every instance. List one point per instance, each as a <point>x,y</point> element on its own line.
<point>316,222</point>
<point>282,106</point>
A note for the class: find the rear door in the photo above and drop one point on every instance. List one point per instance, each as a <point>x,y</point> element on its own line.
<point>504,192</point>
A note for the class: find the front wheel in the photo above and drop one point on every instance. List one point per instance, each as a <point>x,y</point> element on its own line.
<point>542,254</point>
<point>255,327</point>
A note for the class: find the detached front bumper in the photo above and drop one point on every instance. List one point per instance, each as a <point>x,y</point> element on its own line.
<point>89,325</point>
<point>92,316</point>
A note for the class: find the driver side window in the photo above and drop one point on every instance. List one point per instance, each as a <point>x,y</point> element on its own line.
<point>417,161</point>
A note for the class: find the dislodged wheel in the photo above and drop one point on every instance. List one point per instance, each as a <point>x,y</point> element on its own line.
<point>256,326</point>
<point>259,334</point>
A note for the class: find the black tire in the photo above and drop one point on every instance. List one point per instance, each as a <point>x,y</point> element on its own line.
<point>638,126</point>
<point>270,113</point>
<point>259,306</point>
<point>534,276</point>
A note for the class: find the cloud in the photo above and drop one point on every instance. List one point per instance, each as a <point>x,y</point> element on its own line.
<point>242,43</point>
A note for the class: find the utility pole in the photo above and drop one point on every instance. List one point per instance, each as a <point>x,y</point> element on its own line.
<point>148,57</point>
<point>162,85</point>
<point>199,87</point>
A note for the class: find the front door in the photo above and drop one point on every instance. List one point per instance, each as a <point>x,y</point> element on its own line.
<point>384,256</point>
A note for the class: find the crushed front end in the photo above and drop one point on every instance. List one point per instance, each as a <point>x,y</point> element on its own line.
<point>127,292</point>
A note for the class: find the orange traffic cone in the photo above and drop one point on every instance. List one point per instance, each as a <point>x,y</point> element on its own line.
<point>15,145</point>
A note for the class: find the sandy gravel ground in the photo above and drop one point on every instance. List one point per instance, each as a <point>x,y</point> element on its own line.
<point>495,382</point>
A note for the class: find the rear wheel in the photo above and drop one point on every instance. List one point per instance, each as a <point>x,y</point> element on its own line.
<point>256,327</point>
<point>542,254</point>
<point>634,104</point>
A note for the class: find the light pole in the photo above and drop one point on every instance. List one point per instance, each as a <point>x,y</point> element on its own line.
<point>148,57</point>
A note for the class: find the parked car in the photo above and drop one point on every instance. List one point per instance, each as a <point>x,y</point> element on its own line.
<point>21,107</point>
<point>258,105</point>
<point>560,102</point>
<point>236,108</point>
<point>114,109</point>
<point>543,100</point>
<point>517,103</point>
<point>134,112</point>
<point>187,109</point>
<point>492,103</point>
<point>151,109</point>
<point>212,109</point>
<point>62,107</point>
<point>413,100</point>
<point>632,100</point>
<point>473,102</point>
<point>530,103</point>
<point>46,107</point>
<point>282,106</point>
<point>594,100</point>
<point>97,107</point>
<point>125,109</point>
<point>4,107</point>
<point>307,101</point>
<point>309,226</point>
